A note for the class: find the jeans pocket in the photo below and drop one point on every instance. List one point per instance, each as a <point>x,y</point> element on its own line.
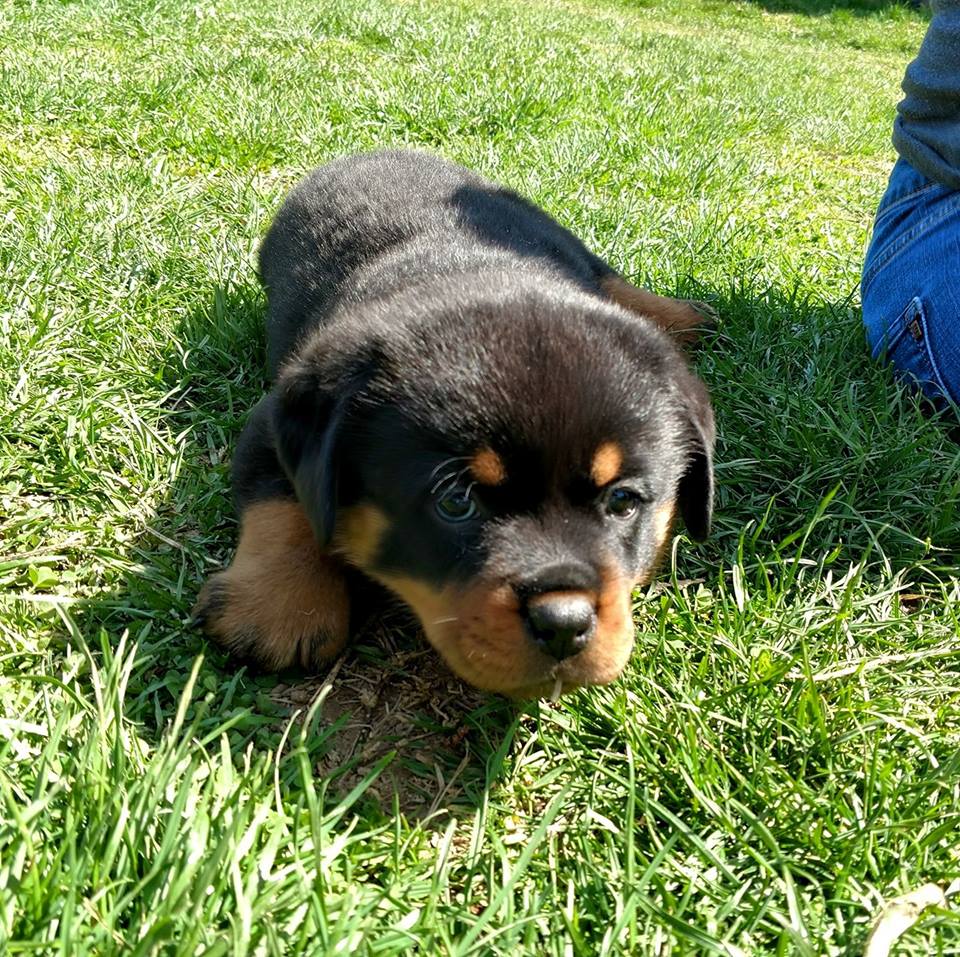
<point>906,345</point>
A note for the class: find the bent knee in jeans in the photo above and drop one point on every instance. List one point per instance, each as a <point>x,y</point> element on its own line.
<point>911,283</point>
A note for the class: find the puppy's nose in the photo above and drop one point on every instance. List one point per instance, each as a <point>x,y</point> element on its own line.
<point>562,622</point>
<point>569,576</point>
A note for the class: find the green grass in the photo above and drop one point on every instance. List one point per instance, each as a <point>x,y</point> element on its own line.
<point>783,752</point>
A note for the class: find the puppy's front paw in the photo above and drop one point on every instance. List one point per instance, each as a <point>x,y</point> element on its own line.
<point>282,602</point>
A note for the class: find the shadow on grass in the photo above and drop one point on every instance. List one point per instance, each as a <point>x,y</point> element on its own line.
<point>388,694</point>
<point>804,418</point>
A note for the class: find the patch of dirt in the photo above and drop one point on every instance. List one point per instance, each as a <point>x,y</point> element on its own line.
<point>394,693</point>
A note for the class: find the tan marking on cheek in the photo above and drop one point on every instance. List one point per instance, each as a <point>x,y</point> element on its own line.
<point>606,464</point>
<point>433,606</point>
<point>487,468</point>
<point>604,658</point>
<point>497,653</point>
<point>663,515</point>
<point>358,533</point>
<point>283,601</point>
<point>682,318</point>
<point>481,636</point>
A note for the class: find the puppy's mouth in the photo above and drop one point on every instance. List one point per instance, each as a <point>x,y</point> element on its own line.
<point>550,690</point>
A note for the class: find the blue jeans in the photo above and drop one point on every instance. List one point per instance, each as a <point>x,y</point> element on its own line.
<point>911,283</point>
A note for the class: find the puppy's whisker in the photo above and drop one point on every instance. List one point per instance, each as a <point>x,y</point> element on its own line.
<point>446,462</point>
<point>450,479</point>
<point>441,621</point>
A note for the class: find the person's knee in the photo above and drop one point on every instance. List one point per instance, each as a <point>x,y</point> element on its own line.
<point>911,306</point>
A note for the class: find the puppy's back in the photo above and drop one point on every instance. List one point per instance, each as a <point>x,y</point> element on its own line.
<point>362,226</point>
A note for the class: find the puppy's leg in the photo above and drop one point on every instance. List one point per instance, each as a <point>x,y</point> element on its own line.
<point>284,600</point>
<point>682,318</point>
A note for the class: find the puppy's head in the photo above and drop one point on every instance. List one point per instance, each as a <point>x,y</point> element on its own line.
<point>510,468</point>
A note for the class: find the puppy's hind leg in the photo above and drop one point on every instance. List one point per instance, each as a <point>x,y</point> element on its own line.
<point>684,319</point>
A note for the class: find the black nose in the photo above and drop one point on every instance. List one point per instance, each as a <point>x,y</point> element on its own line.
<point>562,622</point>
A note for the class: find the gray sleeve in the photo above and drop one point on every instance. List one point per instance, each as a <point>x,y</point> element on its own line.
<point>926,132</point>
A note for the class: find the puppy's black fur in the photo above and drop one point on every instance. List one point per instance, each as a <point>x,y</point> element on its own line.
<point>469,409</point>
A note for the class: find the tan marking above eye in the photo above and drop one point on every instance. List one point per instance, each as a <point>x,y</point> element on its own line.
<point>606,464</point>
<point>487,468</point>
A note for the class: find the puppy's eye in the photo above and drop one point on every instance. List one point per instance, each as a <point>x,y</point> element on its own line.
<point>623,502</point>
<point>456,506</point>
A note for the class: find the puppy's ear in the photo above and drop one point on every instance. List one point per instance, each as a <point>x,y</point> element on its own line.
<point>309,414</point>
<point>695,493</point>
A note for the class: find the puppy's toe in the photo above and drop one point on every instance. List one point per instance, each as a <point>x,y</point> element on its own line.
<point>708,316</point>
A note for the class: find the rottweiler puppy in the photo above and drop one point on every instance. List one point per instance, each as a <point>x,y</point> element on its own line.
<point>473,410</point>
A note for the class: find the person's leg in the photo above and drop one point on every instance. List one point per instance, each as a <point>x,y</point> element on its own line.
<point>911,283</point>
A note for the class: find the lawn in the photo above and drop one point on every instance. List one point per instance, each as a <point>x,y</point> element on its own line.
<point>782,755</point>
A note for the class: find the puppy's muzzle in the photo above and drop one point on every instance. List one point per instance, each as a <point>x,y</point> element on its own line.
<point>559,609</point>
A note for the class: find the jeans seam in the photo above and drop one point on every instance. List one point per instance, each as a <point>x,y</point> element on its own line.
<point>896,246</point>
<point>907,197</point>
<point>915,312</point>
<point>941,382</point>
